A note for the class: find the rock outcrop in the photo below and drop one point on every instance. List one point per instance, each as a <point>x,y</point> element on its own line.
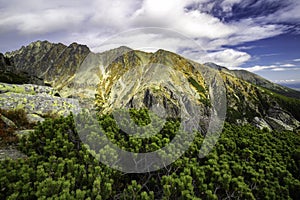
<point>261,124</point>
<point>11,152</point>
<point>7,121</point>
<point>40,100</point>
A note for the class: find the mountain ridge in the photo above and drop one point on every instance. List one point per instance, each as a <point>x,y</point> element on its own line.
<point>59,48</point>
<point>123,77</point>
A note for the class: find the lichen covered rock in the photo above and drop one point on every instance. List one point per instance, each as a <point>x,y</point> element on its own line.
<point>41,100</point>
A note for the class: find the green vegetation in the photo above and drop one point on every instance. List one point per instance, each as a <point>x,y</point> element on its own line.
<point>194,83</point>
<point>291,93</point>
<point>9,77</point>
<point>246,163</point>
<point>201,90</point>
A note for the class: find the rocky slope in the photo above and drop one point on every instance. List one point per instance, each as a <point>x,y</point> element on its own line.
<point>34,99</point>
<point>9,75</point>
<point>54,63</point>
<point>258,80</point>
<point>124,77</point>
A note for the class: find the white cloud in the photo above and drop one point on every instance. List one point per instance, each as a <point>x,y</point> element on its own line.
<point>171,14</point>
<point>270,54</point>
<point>288,65</point>
<point>279,69</point>
<point>297,60</point>
<point>287,81</point>
<point>261,68</point>
<point>36,17</point>
<point>202,27</point>
<point>114,13</point>
<point>227,4</point>
<point>146,38</point>
<point>92,22</point>
<point>229,58</point>
<point>246,47</point>
<point>282,67</point>
<point>288,14</point>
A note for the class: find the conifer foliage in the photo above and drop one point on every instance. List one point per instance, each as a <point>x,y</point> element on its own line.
<point>246,163</point>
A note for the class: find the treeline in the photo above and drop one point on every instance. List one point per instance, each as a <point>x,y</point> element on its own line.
<point>246,163</point>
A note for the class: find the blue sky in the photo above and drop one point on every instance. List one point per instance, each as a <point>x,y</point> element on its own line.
<point>275,58</point>
<point>261,36</point>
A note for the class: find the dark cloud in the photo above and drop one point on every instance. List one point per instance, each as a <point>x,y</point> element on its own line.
<point>233,10</point>
<point>256,8</point>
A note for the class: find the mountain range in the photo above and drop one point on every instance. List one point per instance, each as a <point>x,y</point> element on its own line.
<point>45,78</point>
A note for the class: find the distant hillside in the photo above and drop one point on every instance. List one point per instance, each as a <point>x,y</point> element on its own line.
<point>284,89</point>
<point>294,86</point>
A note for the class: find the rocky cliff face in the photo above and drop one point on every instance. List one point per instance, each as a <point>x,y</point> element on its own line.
<point>56,64</point>
<point>124,77</point>
<point>9,75</point>
<point>248,103</point>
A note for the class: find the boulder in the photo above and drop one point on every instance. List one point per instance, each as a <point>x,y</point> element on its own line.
<point>34,118</point>
<point>41,100</point>
<point>278,125</point>
<point>7,121</point>
<point>11,153</point>
<point>261,123</point>
<point>22,133</point>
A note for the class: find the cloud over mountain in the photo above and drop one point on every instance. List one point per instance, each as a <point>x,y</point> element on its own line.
<point>214,25</point>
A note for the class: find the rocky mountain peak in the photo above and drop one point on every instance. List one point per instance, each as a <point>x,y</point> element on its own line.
<point>215,66</point>
<point>54,63</point>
